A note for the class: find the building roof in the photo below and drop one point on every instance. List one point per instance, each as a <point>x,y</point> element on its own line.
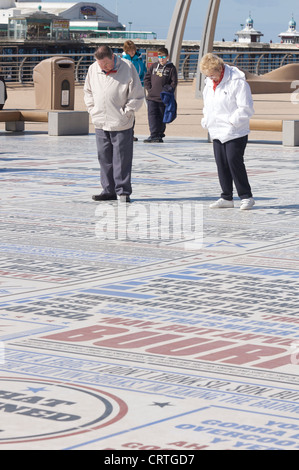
<point>71,11</point>
<point>291,32</point>
<point>36,15</point>
<point>248,30</point>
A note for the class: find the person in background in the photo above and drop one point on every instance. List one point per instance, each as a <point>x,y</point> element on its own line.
<point>112,94</point>
<point>228,106</point>
<point>130,53</point>
<point>160,77</point>
<point>3,92</point>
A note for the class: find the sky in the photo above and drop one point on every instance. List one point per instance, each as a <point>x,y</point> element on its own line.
<point>271,17</point>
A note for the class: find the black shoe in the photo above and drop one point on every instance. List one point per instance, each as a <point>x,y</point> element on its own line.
<point>153,140</point>
<point>124,198</point>
<point>135,139</point>
<point>104,197</point>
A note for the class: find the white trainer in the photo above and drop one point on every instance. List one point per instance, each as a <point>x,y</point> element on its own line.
<point>247,204</point>
<point>221,204</point>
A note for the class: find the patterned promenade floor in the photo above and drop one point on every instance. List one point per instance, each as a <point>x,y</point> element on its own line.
<point>161,324</point>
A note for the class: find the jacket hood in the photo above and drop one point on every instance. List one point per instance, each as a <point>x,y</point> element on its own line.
<point>117,61</point>
<point>165,65</point>
<point>128,57</point>
<point>234,72</point>
<point>230,73</point>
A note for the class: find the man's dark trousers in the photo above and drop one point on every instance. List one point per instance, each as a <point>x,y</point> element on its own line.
<point>115,154</point>
<point>155,111</point>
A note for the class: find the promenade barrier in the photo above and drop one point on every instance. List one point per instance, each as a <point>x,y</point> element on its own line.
<point>59,122</point>
<point>77,123</point>
<point>289,129</point>
<point>18,68</point>
<point>274,125</point>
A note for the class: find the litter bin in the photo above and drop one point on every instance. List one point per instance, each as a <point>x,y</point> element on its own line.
<point>54,83</point>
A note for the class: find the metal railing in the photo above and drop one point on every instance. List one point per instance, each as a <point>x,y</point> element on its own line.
<point>257,63</point>
<point>18,68</point>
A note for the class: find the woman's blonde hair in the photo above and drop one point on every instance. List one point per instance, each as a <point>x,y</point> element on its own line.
<point>211,63</point>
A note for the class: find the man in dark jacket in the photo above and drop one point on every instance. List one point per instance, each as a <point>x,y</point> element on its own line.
<point>160,77</point>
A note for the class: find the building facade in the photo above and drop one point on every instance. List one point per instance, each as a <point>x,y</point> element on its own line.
<point>291,36</point>
<point>82,16</point>
<point>248,33</point>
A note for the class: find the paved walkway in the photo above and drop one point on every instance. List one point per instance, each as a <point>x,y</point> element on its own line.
<point>121,329</point>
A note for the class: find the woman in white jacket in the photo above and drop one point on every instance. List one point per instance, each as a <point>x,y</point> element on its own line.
<point>228,107</point>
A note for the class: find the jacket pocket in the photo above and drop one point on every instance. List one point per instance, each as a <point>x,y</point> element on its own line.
<point>126,114</point>
<point>223,120</point>
<point>93,112</point>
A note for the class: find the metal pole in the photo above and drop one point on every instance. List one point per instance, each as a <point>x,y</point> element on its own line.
<point>176,30</point>
<point>207,40</point>
<point>176,33</point>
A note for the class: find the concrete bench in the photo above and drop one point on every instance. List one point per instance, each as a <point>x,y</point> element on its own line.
<point>59,122</point>
<point>289,129</point>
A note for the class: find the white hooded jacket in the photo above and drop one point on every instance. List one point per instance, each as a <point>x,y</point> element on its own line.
<point>227,110</point>
<point>112,99</point>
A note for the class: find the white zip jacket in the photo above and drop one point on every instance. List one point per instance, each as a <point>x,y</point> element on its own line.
<point>112,99</point>
<point>227,110</point>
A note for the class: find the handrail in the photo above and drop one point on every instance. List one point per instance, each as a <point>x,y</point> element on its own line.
<point>18,68</point>
<point>77,68</point>
<point>236,59</point>
<point>284,58</point>
<point>21,69</point>
<point>259,63</point>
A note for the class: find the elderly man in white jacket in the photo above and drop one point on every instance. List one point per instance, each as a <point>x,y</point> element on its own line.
<point>228,107</point>
<point>112,94</point>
